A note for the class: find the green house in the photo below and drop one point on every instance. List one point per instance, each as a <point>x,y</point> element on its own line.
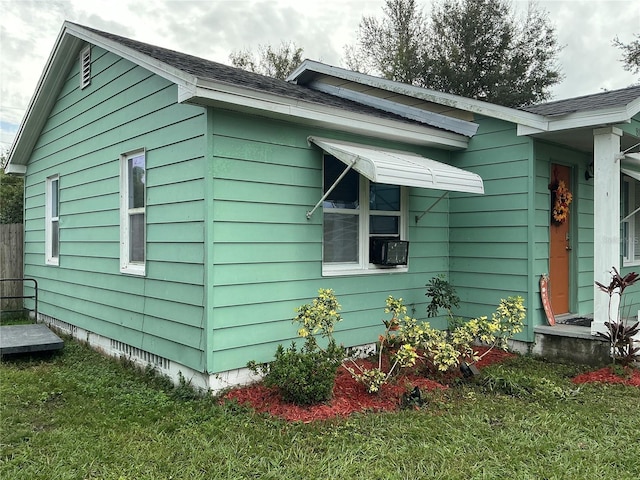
<point>178,210</point>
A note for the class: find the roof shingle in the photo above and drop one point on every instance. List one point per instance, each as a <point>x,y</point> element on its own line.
<point>596,101</point>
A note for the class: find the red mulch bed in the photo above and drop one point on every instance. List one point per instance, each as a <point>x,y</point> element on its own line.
<point>349,396</point>
<point>606,375</point>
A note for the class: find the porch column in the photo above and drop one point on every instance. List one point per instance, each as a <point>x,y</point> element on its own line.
<point>606,217</point>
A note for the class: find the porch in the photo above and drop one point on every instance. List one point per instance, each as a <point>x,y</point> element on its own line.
<point>569,340</point>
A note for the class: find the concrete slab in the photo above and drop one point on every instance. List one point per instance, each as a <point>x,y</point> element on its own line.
<point>35,337</point>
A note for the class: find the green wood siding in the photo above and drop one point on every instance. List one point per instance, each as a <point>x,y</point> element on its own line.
<point>124,108</point>
<point>489,234</point>
<point>266,255</point>
<point>230,252</point>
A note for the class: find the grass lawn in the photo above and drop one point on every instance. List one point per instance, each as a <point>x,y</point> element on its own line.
<point>78,415</point>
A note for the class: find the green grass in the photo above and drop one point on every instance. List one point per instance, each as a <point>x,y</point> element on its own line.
<point>78,415</point>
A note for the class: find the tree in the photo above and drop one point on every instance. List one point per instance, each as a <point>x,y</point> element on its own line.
<point>474,48</point>
<point>272,62</point>
<point>630,54</point>
<point>394,46</point>
<point>11,196</point>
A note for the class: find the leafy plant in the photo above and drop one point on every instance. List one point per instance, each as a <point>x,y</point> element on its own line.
<point>405,341</point>
<point>443,295</point>
<point>307,376</point>
<point>404,355</point>
<point>304,376</point>
<point>619,332</point>
<point>446,350</point>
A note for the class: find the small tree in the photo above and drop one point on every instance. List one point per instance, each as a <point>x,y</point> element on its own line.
<point>273,62</point>
<point>11,197</point>
<point>630,53</point>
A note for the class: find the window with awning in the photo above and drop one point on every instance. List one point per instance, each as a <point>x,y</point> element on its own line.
<point>365,200</point>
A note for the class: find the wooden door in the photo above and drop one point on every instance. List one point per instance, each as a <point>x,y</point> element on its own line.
<point>560,246</point>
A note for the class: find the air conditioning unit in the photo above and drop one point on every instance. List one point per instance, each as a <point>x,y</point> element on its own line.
<point>389,252</point>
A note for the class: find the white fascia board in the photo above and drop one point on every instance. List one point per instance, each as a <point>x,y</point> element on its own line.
<point>168,72</point>
<point>589,118</point>
<point>62,56</point>
<point>329,117</point>
<point>14,169</point>
<point>51,79</point>
<point>454,101</point>
<point>463,127</point>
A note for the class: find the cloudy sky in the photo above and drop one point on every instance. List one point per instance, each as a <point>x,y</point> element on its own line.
<point>214,28</point>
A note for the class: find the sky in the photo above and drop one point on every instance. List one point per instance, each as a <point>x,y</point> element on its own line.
<point>212,29</point>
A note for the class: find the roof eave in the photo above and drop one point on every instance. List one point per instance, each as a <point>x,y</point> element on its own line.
<point>63,54</point>
<point>215,93</point>
<point>585,119</point>
<point>308,69</point>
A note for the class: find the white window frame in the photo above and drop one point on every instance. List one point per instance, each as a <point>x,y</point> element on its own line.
<point>363,266</point>
<point>52,217</point>
<point>85,67</point>
<point>628,258</point>
<point>126,264</point>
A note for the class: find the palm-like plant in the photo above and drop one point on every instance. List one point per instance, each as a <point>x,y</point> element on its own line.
<point>619,333</point>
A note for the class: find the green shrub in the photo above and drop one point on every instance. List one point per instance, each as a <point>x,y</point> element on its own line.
<point>307,376</point>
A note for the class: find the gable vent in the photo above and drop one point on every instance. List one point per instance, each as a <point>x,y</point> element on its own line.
<point>85,68</point>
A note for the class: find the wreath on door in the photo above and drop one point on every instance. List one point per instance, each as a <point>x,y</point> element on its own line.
<point>561,198</point>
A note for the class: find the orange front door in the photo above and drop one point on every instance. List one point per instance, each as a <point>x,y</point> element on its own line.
<point>559,247</point>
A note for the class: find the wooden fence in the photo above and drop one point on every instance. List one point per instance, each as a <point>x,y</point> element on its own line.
<point>11,248</point>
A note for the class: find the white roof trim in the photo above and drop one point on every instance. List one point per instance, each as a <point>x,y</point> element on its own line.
<point>207,93</point>
<point>454,101</point>
<point>401,168</point>
<point>528,123</point>
<point>195,90</point>
<point>15,169</point>
<point>587,118</point>
<point>426,117</point>
<point>175,75</point>
<point>192,89</point>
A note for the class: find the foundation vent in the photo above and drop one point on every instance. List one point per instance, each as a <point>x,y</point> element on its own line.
<point>59,325</point>
<point>141,355</point>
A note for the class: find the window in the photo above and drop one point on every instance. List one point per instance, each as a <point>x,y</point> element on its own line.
<point>132,213</point>
<point>52,221</point>
<point>85,67</point>
<point>356,212</point>
<point>631,225</point>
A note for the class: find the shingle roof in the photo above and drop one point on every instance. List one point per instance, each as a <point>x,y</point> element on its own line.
<point>219,72</point>
<point>596,101</point>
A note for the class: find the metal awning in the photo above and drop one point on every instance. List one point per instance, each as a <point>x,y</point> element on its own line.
<point>631,173</point>
<point>401,168</point>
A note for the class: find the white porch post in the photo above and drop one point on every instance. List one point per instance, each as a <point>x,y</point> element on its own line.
<point>606,218</point>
